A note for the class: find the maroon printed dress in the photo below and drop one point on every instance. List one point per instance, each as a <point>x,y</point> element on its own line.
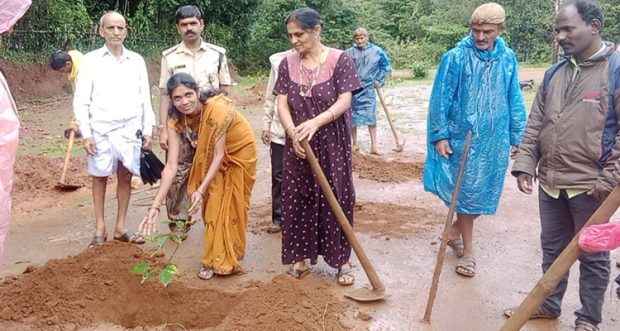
<point>309,227</point>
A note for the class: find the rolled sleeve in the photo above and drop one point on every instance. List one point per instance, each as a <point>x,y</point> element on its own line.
<point>82,99</point>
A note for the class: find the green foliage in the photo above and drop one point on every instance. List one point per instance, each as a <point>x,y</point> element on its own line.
<point>164,274</point>
<point>419,70</point>
<point>411,31</point>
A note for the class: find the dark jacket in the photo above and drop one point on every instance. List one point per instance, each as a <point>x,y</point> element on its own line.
<point>566,126</point>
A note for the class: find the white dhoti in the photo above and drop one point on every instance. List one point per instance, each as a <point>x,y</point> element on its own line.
<point>120,145</point>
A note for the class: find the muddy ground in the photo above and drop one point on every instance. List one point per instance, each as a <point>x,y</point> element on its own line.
<point>51,282</point>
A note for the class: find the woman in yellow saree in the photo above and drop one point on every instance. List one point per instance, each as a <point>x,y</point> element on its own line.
<point>222,173</point>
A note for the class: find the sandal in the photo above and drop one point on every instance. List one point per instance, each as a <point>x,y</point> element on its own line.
<point>131,237</point>
<point>466,266</point>
<point>345,276</point>
<point>298,273</point>
<point>274,228</point>
<point>581,325</point>
<point>538,314</point>
<point>98,240</point>
<point>205,273</point>
<point>457,247</point>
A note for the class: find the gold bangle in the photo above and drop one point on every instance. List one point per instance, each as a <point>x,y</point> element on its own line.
<point>289,126</point>
<point>156,204</point>
<point>201,193</point>
<point>333,114</point>
<point>152,207</point>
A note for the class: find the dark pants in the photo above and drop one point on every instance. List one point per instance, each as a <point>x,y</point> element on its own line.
<point>560,220</point>
<point>277,152</point>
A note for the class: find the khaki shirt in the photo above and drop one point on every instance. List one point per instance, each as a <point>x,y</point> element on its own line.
<point>203,65</point>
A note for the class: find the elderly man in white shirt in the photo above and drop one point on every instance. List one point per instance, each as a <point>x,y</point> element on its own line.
<point>112,105</point>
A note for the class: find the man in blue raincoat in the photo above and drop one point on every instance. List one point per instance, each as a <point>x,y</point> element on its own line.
<point>476,89</point>
<point>373,66</point>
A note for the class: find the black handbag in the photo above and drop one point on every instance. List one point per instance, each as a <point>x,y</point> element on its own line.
<point>150,167</point>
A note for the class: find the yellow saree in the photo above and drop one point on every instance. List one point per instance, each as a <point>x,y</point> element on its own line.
<point>227,200</point>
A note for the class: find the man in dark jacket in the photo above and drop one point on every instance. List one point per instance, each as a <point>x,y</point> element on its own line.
<point>572,137</point>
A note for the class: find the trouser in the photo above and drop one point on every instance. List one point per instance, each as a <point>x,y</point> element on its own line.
<point>560,220</point>
<point>277,152</point>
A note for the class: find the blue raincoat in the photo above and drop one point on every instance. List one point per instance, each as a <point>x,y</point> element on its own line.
<point>371,63</point>
<point>478,91</point>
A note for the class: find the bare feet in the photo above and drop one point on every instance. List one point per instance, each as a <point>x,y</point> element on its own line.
<point>376,152</point>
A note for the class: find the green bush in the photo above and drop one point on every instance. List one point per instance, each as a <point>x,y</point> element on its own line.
<point>419,70</point>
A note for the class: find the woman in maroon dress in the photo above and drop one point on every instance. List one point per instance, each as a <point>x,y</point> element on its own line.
<point>314,89</point>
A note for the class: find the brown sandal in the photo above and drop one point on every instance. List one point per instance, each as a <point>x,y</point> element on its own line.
<point>131,237</point>
<point>298,273</point>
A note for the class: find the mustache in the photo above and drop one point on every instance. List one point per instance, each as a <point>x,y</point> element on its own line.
<point>190,32</point>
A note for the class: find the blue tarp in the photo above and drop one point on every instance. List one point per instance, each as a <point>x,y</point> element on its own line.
<point>478,91</point>
<point>372,64</point>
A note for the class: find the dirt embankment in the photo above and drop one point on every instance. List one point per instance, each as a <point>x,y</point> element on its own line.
<point>98,285</point>
<point>31,82</point>
<point>381,170</point>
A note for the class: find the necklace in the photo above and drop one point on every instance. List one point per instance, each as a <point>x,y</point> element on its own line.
<point>310,75</point>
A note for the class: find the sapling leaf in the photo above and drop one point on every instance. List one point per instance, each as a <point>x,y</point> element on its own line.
<point>172,268</point>
<point>147,275</point>
<point>176,238</point>
<point>165,277</point>
<point>180,224</point>
<point>162,241</point>
<point>140,268</point>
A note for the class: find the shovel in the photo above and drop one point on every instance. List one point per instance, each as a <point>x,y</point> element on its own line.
<point>361,294</point>
<point>62,186</point>
<point>444,240</point>
<point>399,145</point>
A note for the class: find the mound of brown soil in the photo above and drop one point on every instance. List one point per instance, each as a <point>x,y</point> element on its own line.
<point>95,287</point>
<point>380,170</point>
<point>36,176</point>
<point>386,219</point>
<point>32,81</point>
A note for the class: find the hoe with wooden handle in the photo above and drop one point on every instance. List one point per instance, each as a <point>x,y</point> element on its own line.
<point>444,241</point>
<point>399,145</point>
<point>360,294</point>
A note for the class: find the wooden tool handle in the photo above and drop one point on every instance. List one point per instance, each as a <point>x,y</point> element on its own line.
<point>387,114</point>
<point>446,231</point>
<point>342,218</point>
<point>560,266</point>
<point>68,156</point>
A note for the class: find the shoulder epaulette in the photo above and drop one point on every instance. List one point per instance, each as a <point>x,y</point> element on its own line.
<point>170,50</point>
<point>216,48</point>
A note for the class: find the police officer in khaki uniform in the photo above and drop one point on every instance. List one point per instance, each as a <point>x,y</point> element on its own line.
<point>207,64</point>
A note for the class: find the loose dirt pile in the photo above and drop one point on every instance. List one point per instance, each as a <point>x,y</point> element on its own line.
<point>386,219</point>
<point>373,218</point>
<point>36,176</point>
<point>95,288</point>
<point>380,170</point>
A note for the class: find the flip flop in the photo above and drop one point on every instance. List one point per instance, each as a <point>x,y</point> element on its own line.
<point>466,266</point>
<point>98,240</point>
<point>457,247</point>
<point>131,237</point>
<point>538,314</point>
<point>298,273</point>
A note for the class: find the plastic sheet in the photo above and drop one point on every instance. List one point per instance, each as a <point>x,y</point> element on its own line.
<point>11,12</point>
<point>600,237</point>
